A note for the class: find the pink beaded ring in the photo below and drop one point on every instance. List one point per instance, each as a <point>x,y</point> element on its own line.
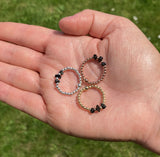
<point>99,60</point>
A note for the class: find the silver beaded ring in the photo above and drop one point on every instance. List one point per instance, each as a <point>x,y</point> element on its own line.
<point>98,59</point>
<point>58,77</point>
<point>98,107</point>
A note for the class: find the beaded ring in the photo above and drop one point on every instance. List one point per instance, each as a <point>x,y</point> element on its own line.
<point>58,77</point>
<point>98,107</point>
<point>98,59</point>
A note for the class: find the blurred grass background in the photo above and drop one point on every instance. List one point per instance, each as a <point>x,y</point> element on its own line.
<point>23,136</point>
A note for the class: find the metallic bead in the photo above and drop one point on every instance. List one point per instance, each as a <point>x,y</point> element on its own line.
<point>61,72</point>
<point>86,87</point>
<point>57,81</point>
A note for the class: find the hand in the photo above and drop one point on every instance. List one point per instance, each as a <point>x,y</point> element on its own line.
<point>30,56</point>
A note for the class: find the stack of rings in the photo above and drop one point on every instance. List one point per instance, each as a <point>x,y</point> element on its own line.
<point>58,77</point>
<point>98,107</point>
<point>92,84</point>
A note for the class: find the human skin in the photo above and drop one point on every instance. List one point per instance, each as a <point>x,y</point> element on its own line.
<point>30,56</point>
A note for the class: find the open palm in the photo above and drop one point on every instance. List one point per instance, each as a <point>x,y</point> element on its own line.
<point>30,56</point>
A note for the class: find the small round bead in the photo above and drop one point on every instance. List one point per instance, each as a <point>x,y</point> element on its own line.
<point>61,72</point>
<point>103,63</point>
<point>57,81</point>
<point>98,108</point>
<point>92,110</point>
<point>95,56</point>
<point>86,87</point>
<point>100,59</point>
<point>103,106</point>
<point>58,76</point>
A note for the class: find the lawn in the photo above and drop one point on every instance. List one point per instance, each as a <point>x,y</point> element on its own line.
<point>23,136</point>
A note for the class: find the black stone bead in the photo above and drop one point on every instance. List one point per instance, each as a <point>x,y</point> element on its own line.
<point>57,75</point>
<point>92,110</point>
<point>103,63</point>
<point>98,108</point>
<point>100,59</point>
<point>61,72</point>
<point>95,56</point>
<point>57,81</point>
<point>103,106</point>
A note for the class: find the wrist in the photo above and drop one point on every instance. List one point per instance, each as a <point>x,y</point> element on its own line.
<point>151,138</point>
<point>152,142</point>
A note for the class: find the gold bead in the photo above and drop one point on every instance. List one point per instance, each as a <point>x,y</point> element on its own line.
<point>86,88</point>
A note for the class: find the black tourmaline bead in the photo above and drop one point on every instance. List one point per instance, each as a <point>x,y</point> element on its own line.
<point>61,72</point>
<point>100,59</point>
<point>92,110</point>
<point>57,75</point>
<point>103,106</point>
<point>98,108</point>
<point>57,81</point>
<point>95,56</point>
<point>103,63</point>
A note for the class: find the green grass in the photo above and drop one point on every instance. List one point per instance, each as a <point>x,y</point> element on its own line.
<point>23,136</point>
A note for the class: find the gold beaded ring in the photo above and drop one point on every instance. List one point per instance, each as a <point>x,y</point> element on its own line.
<point>98,59</point>
<point>98,107</point>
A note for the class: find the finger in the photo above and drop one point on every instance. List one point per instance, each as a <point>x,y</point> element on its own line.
<point>18,77</point>
<point>19,56</point>
<point>22,100</point>
<point>34,37</point>
<point>95,23</point>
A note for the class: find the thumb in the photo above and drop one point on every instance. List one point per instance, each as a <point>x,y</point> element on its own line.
<point>90,22</point>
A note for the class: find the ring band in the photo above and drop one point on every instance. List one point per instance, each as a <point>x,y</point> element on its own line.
<point>98,59</point>
<point>59,75</point>
<point>98,107</point>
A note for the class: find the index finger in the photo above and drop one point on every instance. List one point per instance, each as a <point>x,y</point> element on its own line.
<point>31,36</point>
